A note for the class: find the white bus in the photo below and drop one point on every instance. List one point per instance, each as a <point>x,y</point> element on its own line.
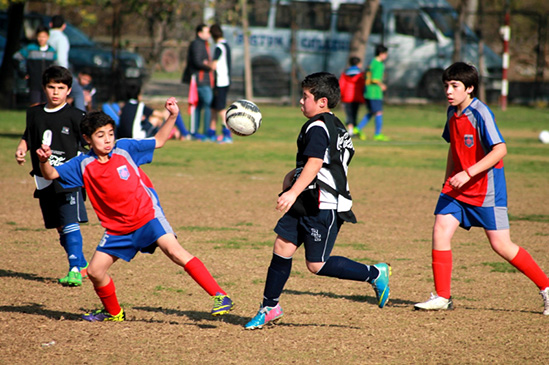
<point>418,34</point>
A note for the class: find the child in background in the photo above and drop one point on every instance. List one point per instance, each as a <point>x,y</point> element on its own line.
<point>127,206</point>
<point>474,193</point>
<point>351,83</point>
<point>57,124</point>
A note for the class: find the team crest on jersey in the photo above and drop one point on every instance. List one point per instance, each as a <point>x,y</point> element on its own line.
<point>123,172</point>
<point>65,130</point>
<point>469,140</point>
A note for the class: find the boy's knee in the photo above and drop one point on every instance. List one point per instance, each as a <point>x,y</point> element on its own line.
<point>314,267</point>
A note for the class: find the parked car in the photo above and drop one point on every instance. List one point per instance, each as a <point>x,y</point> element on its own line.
<point>85,53</point>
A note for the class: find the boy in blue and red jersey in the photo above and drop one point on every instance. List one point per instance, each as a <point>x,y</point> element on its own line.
<point>127,206</point>
<point>474,192</point>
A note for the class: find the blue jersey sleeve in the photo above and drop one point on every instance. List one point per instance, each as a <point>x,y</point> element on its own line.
<point>70,173</point>
<point>487,127</point>
<point>140,150</point>
<point>316,142</point>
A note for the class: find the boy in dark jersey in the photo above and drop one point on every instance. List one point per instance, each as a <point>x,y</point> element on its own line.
<point>127,207</point>
<point>316,202</point>
<point>474,193</point>
<point>57,125</point>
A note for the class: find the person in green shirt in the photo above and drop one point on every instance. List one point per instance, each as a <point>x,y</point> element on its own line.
<point>373,95</point>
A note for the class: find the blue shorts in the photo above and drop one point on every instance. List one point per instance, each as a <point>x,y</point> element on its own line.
<point>318,233</point>
<point>374,105</point>
<point>61,209</point>
<point>142,240</point>
<point>489,218</point>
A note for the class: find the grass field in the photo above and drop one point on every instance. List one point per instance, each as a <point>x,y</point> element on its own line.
<point>220,200</point>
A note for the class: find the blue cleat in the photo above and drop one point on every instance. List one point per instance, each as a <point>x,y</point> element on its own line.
<point>381,284</point>
<point>264,316</point>
<point>222,304</point>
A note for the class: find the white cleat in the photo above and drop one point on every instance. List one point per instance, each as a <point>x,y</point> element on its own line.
<point>435,303</point>
<point>545,295</point>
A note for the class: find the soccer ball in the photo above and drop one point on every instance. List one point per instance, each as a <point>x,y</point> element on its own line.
<point>243,118</point>
<point>544,137</point>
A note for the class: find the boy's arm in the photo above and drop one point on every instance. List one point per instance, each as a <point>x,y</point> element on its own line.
<point>21,152</point>
<point>287,182</point>
<point>309,172</point>
<point>491,159</point>
<point>164,132</point>
<point>48,171</point>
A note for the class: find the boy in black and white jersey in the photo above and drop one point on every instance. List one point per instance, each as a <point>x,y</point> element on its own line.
<point>316,202</point>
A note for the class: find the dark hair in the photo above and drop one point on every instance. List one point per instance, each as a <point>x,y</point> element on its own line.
<point>85,71</point>
<point>41,28</point>
<point>353,61</point>
<point>93,121</point>
<point>380,48</point>
<point>57,21</point>
<point>323,85</point>
<point>132,91</point>
<point>216,31</point>
<point>57,74</point>
<point>463,72</point>
<point>200,27</point>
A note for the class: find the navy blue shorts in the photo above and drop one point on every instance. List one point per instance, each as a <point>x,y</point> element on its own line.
<point>318,233</point>
<point>374,105</point>
<point>141,240</point>
<point>489,218</point>
<point>220,98</point>
<point>60,209</point>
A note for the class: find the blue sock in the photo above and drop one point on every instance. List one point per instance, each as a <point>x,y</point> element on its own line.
<point>364,121</point>
<point>181,125</point>
<point>379,123</point>
<point>210,133</point>
<point>226,132</point>
<point>277,275</point>
<point>71,240</point>
<point>343,268</point>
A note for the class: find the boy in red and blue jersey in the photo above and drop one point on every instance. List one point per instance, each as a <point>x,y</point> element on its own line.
<point>474,193</point>
<point>127,206</point>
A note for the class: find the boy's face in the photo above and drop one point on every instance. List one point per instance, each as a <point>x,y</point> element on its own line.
<point>457,94</point>
<point>42,38</point>
<point>204,34</point>
<point>311,107</point>
<point>102,140</point>
<point>56,92</point>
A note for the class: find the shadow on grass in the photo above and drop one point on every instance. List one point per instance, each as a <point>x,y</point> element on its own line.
<point>195,316</point>
<point>38,309</point>
<point>26,276</point>
<point>13,135</point>
<point>355,298</point>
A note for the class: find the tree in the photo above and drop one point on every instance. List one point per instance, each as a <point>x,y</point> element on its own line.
<point>16,12</point>
<point>360,36</point>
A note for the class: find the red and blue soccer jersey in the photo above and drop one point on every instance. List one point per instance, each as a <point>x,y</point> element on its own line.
<point>120,192</point>
<point>471,136</point>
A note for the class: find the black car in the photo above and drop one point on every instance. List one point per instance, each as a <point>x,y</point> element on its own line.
<point>84,53</point>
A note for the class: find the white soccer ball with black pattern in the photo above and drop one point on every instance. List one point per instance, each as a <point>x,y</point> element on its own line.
<point>544,137</point>
<point>243,118</point>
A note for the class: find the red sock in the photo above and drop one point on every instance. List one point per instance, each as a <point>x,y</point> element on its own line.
<point>442,272</point>
<point>107,294</point>
<point>526,264</point>
<point>196,269</point>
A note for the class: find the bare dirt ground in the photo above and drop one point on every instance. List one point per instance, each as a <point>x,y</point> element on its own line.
<point>226,219</point>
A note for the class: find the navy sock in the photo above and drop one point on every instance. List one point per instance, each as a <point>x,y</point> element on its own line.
<point>72,239</point>
<point>344,268</point>
<point>277,275</point>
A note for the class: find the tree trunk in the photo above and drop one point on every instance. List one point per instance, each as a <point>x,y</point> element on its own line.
<point>362,33</point>
<point>16,13</point>
<point>458,31</point>
<point>248,90</point>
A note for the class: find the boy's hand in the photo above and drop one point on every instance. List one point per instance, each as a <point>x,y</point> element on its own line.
<point>44,153</point>
<point>171,106</point>
<point>459,179</point>
<point>20,156</point>
<point>285,201</point>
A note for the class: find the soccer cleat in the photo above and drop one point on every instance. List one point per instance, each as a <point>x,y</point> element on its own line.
<point>73,278</point>
<point>264,316</point>
<point>84,271</point>
<point>222,304</point>
<point>358,132</point>
<point>381,137</point>
<point>545,295</point>
<point>381,284</point>
<point>225,140</point>
<point>435,303</point>
<point>102,315</point>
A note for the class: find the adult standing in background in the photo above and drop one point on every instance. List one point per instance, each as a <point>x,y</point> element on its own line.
<point>59,41</point>
<point>221,64</point>
<point>198,66</point>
